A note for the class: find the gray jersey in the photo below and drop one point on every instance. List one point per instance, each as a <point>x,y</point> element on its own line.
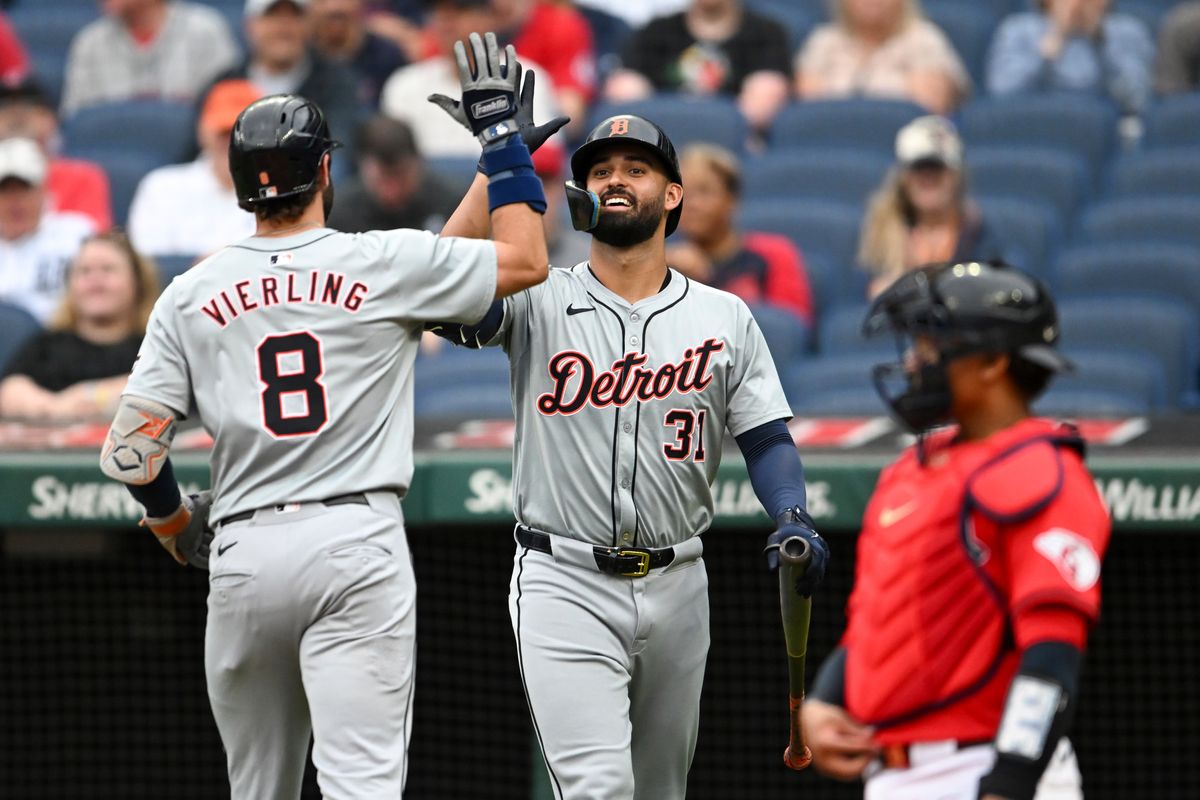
<point>621,409</point>
<point>297,353</point>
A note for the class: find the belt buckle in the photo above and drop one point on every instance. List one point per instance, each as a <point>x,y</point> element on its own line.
<point>643,567</point>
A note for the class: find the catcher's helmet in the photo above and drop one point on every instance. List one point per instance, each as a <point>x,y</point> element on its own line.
<point>276,148</point>
<point>628,127</point>
<point>966,307</point>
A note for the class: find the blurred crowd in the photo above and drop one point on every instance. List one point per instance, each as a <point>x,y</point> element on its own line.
<point>89,233</point>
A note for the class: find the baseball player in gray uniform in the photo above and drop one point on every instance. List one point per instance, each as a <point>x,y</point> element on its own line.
<point>625,377</point>
<point>295,348</point>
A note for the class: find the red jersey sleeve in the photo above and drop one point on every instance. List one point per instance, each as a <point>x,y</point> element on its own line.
<point>1053,558</point>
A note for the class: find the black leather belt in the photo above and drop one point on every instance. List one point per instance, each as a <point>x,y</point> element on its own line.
<point>630,562</point>
<point>356,498</point>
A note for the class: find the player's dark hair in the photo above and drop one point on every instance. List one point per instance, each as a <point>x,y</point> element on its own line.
<point>1029,378</point>
<point>286,209</point>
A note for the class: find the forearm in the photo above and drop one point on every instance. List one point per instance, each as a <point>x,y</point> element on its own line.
<point>763,94</point>
<point>471,219</point>
<point>830,684</point>
<point>21,397</point>
<point>774,467</point>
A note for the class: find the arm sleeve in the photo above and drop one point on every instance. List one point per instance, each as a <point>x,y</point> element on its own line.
<point>830,684</point>
<point>432,278</point>
<point>161,371</point>
<point>774,466</point>
<point>755,393</point>
<point>1015,62</point>
<point>160,497</point>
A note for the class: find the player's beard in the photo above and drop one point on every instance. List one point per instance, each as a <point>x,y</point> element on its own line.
<point>633,227</point>
<point>327,199</point>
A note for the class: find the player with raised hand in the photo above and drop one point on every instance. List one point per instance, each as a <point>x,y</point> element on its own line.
<point>295,349</point>
<point>979,560</point>
<point>625,377</point>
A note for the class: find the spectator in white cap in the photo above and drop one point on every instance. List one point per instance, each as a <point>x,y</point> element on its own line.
<point>161,49</point>
<point>35,244</point>
<point>921,214</point>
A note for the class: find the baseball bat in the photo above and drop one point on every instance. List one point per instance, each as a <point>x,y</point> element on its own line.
<point>795,554</point>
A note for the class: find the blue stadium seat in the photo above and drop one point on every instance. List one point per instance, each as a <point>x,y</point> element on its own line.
<point>841,402</point>
<point>786,334</point>
<point>814,173</point>
<point>1075,123</point>
<point>826,229</point>
<point>686,119</point>
<point>1172,121</point>
<point>477,401</point>
<point>460,366</point>
<point>1029,174</point>
<point>1169,171</point>
<point>1149,13</point>
<point>1028,230</point>
<point>1134,376</point>
<point>1061,401</point>
<point>172,266</point>
<point>796,19</point>
<point>1165,220</point>
<point>840,333</point>
<point>155,129</point>
<point>846,124</point>
<point>19,326</point>
<point>1157,329</point>
<point>846,371</point>
<point>43,28</point>
<point>125,168</point>
<point>609,34</point>
<point>969,28</point>
<point>1166,271</point>
<point>996,9</point>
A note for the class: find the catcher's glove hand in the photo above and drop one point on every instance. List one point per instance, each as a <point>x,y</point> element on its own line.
<point>186,534</point>
<point>796,522</point>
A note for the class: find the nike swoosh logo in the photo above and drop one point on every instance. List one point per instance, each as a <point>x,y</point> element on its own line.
<point>221,550</point>
<point>572,311</point>
<point>890,516</point>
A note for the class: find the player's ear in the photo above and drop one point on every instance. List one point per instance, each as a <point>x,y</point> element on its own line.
<point>326,168</point>
<point>674,196</point>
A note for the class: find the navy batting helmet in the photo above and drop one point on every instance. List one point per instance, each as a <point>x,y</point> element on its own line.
<point>276,148</point>
<point>623,127</point>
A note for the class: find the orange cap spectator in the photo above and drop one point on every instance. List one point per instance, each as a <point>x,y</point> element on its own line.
<point>225,101</point>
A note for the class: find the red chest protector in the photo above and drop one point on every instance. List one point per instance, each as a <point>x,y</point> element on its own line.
<point>929,631</point>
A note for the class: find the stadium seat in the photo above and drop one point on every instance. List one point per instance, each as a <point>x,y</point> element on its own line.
<point>840,333</point>
<point>797,19</point>
<point>162,131</point>
<point>19,326</point>
<point>826,229</point>
<point>787,336</point>
<point>125,168</point>
<point>1149,328</point>
<point>686,119</point>
<point>47,29</point>
<point>969,28</point>
<point>1166,271</point>
<point>814,173</point>
<point>1141,379</point>
<point>1173,121</point>
<point>457,172</point>
<point>996,9</point>
<point>1143,220</point>
<point>609,34</point>
<point>1028,230</point>
<point>453,366</point>
<point>847,371</point>
<point>844,124</point>
<point>841,402</point>
<point>1029,174</point>
<point>1149,12</point>
<point>172,266</point>
<point>1157,173</point>
<point>1075,123</point>
<point>479,401</point>
<point>1061,401</point>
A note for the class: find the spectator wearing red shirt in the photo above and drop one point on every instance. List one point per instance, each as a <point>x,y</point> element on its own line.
<point>71,184</point>
<point>757,267</point>
<point>14,61</point>
<point>557,37</point>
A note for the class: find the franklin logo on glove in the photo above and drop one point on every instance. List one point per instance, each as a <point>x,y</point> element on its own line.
<point>488,108</point>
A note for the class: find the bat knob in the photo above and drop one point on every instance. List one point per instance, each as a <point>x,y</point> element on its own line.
<point>795,763</point>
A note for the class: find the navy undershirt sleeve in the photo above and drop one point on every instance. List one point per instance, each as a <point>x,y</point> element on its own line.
<point>774,466</point>
<point>473,336</point>
<point>160,496</point>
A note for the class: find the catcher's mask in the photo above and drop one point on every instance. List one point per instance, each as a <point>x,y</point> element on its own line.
<point>961,308</point>
<point>585,205</point>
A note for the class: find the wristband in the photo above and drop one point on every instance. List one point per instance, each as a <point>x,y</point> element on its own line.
<point>511,178</point>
